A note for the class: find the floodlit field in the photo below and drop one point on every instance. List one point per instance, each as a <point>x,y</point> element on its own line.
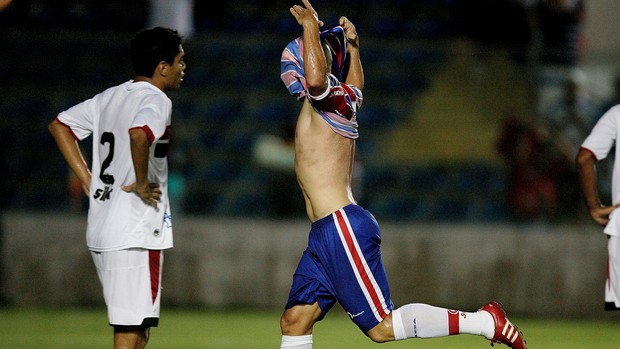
<point>84,328</point>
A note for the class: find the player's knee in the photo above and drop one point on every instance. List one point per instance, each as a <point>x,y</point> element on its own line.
<point>382,333</point>
<point>292,324</point>
<point>378,337</point>
<point>298,320</point>
<point>285,323</point>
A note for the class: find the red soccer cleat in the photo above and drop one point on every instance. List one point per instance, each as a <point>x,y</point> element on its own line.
<point>505,331</point>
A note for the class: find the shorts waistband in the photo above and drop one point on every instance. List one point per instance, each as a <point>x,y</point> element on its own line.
<point>330,217</point>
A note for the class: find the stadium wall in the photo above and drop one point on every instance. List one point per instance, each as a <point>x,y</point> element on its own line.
<point>537,270</point>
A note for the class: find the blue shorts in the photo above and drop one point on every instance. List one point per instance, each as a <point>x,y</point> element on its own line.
<point>342,263</point>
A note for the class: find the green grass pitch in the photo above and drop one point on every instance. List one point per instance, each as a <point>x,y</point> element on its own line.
<point>87,328</point>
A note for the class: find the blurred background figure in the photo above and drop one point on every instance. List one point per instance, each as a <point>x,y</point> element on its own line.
<point>533,164</point>
<point>276,154</point>
<point>574,112</point>
<point>570,120</point>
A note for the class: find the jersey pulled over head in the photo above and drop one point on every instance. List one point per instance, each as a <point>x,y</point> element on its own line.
<point>292,64</point>
<point>151,46</point>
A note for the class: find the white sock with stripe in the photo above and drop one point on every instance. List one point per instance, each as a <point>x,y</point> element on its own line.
<point>296,342</point>
<point>426,321</point>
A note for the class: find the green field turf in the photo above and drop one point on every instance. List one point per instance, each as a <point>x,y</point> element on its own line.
<point>217,329</point>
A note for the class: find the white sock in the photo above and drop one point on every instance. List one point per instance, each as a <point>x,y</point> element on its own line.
<point>479,323</point>
<point>488,324</point>
<point>296,342</point>
<point>426,321</point>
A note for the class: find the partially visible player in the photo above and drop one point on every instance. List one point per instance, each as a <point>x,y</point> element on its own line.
<point>596,147</point>
<point>342,262</point>
<point>129,218</point>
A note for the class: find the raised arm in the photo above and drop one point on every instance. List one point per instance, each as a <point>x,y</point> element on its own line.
<point>355,75</point>
<point>315,64</point>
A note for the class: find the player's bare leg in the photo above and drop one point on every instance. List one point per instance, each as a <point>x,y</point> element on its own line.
<point>383,332</point>
<point>296,324</point>
<point>131,339</point>
<point>300,319</point>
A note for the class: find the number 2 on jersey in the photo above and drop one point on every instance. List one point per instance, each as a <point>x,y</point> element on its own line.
<point>107,137</point>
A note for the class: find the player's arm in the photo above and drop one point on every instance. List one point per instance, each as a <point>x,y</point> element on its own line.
<point>586,166</point>
<point>315,64</point>
<point>355,74</point>
<point>140,148</point>
<point>70,150</point>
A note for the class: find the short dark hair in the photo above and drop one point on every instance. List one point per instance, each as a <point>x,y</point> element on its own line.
<point>151,46</point>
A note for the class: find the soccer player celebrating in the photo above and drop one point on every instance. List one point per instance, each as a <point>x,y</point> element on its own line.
<point>342,262</point>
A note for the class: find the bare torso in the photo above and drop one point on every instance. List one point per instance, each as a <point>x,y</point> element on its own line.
<point>323,164</point>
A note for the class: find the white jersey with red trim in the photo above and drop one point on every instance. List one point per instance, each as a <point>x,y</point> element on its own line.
<point>117,219</point>
<point>600,141</point>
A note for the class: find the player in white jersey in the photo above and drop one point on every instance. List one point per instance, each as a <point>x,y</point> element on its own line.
<point>342,262</point>
<point>596,147</point>
<point>129,217</point>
